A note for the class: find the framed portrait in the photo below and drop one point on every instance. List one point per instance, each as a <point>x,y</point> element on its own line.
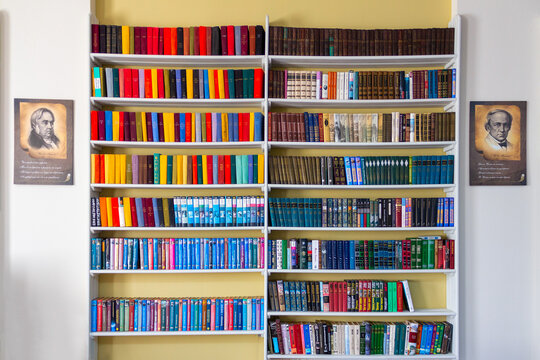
<point>497,143</point>
<point>43,142</point>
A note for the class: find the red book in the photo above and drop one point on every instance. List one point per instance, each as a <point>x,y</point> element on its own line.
<point>115,215</point>
<point>209,168</point>
<point>258,80</point>
<point>227,169</point>
<point>399,286</point>
<point>133,208</point>
<point>148,83</point>
<point>160,85</point>
<point>244,40</point>
<point>127,83</point>
<point>131,314</point>
<point>226,82</point>
<point>208,121</point>
<point>135,83</point>
<point>209,41</point>
<point>299,344</point>
<point>101,125</point>
<point>321,128</point>
<point>188,127</point>
<point>216,83</point>
<point>149,40</point>
<point>246,126</point>
<point>231,314</point>
<point>99,315</point>
<point>174,41</point>
<point>121,126</point>
<point>333,295</point>
<point>101,169</point>
<point>150,212</point>
<point>97,167</point>
<point>121,82</point>
<point>95,38</point>
<point>94,135</point>
<point>230,40</point>
<point>194,168</point>
<point>343,296</point>
<point>452,250</point>
<point>144,211</point>
<point>240,127</point>
<point>155,41</point>
<point>196,41</point>
<point>160,41</point>
<point>223,40</point>
<point>186,41</point>
<point>166,41</point>
<point>202,40</point>
<point>149,133</point>
<point>221,170</point>
<point>137,40</point>
<point>176,127</point>
<point>292,337</point>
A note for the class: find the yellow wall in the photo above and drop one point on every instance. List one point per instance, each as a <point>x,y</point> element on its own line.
<point>428,291</point>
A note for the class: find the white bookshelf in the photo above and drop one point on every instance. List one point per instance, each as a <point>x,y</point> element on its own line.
<point>266,104</point>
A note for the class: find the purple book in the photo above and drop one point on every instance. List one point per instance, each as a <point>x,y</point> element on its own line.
<point>135,169</point>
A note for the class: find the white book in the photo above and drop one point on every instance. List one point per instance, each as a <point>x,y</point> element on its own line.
<point>312,338</point>
<point>408,296</point>
<point>391,348</point>
<point>356,127</point>
<point>285,337</point>
<point>408,77</point>
<point>198,130</point>
<point>324,86</point>
<point>314,84</point>
<point>413,127</point>
<point>279,254</point>
<point>410,348</point>
<point>121,217</point>
<point>315,254</point>
<point>350,85</point>
<point>374,127</point>
<point>318,85</point>
<point>249,314</point>
<point>346,333</point>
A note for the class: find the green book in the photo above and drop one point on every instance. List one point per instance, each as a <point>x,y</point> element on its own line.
<point>203,127</point>
<point>156,169</point>
<point>129,170</point>
<point>116,84</point>
<point>192,40</point>
<point>245,85</point>
<point>121,313</point>
<point>284,255</point>
<point>169,169</point>
<point>238,162</point>
<point>233,169</point>
<point>230,79</point>
<point>251,79</point>
<point>424,253</point>
<point>255,168</point>
<point>431,254</point>
<point>131,40</point>
<point>199,170</point>
<point>138,125</point>
<point>245,170</point>
<point>166,83</point>
<point>166,213</point>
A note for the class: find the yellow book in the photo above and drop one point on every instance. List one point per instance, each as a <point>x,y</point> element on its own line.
<point>221,84</point>
<point>108,200</point>
<point>168,126</point>
<point>127,211</point>
<point>179,169</point>
<point>111,169</point>
<point>106,167</point>
<point>379,127</point>
<point>211,83</point>
<point>143,123</point>
<point>163,169</point>
<point>326,128</point>
<point>171,127</point>
<point>165,128</point>
<point>193,133</point>
<point>93,168</point>
<point>205,169</point>
<point>260,169</point>
<point>125,39</point>
<point>154,83</point>
<point>123,159</point>
<point>224,127</point>
<point>117,169</point>
<point>251,126</point>
<point>167,84</point>
<point>189,83</point>
<point>184,169</point>
<point>115,126</point>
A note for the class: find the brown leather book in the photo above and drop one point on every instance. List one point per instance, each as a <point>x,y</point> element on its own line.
<point>317,42</point>
<point>252,37</point>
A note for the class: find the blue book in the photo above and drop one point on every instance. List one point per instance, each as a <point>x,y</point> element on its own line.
<point>156,247</point>
<point>240,314</point>
<point>352,255</point>
<point>254,314</point>
<point>260,305</point>
<point>182,127</point>
<point>230,124</point>
<point>156,212</point>
<point>206,252</point>
<point>190,211</point>
<point>136,315</point>
<point>250,168</point>
<point>434,169</point>
<point>143,312</point>
<point>184,315</point>
<point>235,314</point>
<point>125,255</point>
<point>221,314</point>
<point>450,169</point>
<point>446,212</point>
<point>414,170</point>
<point>236,126</point>
<point>178,84</point>
<point>348,174</point>
<point>145,254</point>
<point>108,125</point>
<point>354,172</point>
<point>244,314</point>
<point>451,212</point>
<point>206,85</point>
<point>155,129</point>
<point>197,245</point>
<point>222,210</point>
<point>356,79</point>
<point>215,254</point>
<point>307,339</point>
<point>306,127</point>
<point>258,127</point>
<point>230,75</point>
<point>219,130</point>
<point>93,316</point>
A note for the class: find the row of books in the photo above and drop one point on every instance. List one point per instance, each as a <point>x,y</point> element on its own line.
<point>167,314</point>
<point>177,169</point>
<point>178,83</point>
<point>374,127</point>
<point>424,252</point>
<point>348,212</point>
<point>176,253</point>
<point>176,127</point>
<point>361,170</point>
<point>194,40</point>
<point>365,338</point>
<point>340,296</point>
<point>180,211</point>
<point>353,42</point>
<point>358,85</point>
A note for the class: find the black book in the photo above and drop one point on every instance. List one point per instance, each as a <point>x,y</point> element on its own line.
<point>180,41</point>
<point>325,339</point>
<point>259,40</point>
<point>422,212</point>
<point>196,84</point>
<point>340,252</point>
<point>183,82</point>
<point>150,169</point>
<point>172,83</point>
<point>114,37</point>
<point>102,38</point>
<point>335,254</point>
<point>160,212</point>
<point>118,39</point>
<point>216,41</point>
<point>93,221</point>
<point>171,211</point>
<point>108,38</point>
<point>238,84</point>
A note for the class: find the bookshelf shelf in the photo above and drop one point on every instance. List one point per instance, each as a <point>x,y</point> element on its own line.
<point>303,356</point>
<point>416,313</point>
<point>195,103</point>
<point>331,271</point>
<point>446,145</point>
<point>176,333</point>
<point>177,229</point>
<point>292,228</point>
<point>360,104</point>
<point>194,271</point>
<point>445,187</point>
<point>177,60</point>
<point>179,145</point>
<point>97,187</point>
<point>351,62</point>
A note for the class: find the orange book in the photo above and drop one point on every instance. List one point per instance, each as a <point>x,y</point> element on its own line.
<point>148,83</point>
<point>101,168</point>
<point>103,211</point>
<point>174,42</point>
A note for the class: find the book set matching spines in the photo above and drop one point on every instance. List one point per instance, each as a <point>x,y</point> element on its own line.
<point>354,42</point>
<point>340,296</point>
<point>364,128</point>
<point>178,83</point>
<point>176,127</point>
<point>423,252</point>
<point>194,40</point>
<point>361,213</point>
<point>183,211</point>
<point>177,169</point>
<point>177,253</point>
<point>176,314</point>
<point>360,338</point>
<point>361,170</point>
<point>362,85</point>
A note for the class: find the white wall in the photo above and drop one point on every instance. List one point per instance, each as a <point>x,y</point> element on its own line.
<point>43,252</point>
<point>44,52</point>
<point>499,251</point>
